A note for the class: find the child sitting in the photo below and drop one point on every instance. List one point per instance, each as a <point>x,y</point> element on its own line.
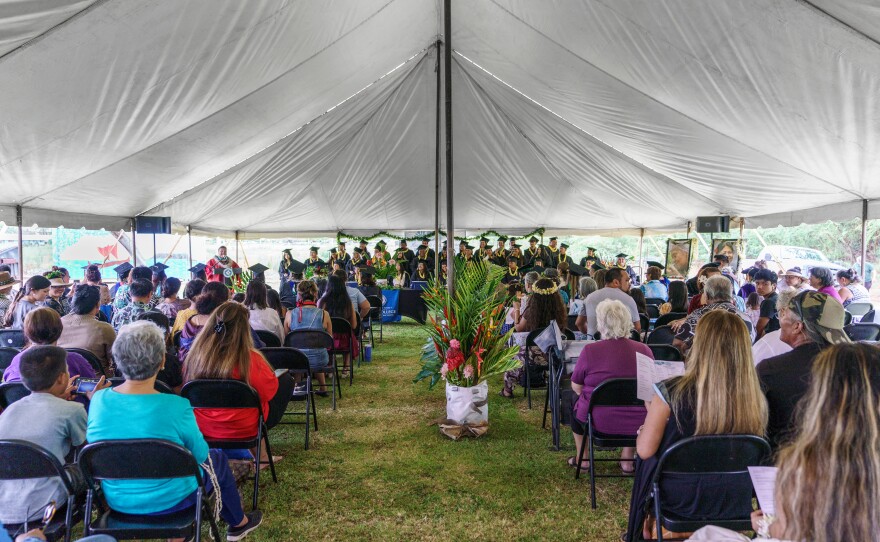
<point>753,307</point>
<point>48,418</point>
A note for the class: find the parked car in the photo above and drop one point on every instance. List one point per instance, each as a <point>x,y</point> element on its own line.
<point>780,258</point>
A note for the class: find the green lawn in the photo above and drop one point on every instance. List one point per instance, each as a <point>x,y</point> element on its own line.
<point>379,470</point>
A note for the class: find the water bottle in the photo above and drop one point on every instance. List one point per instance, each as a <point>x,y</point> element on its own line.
<point>368,353</point>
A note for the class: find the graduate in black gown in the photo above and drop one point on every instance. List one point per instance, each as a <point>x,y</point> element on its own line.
<point>551,253</point>
<point>590,258</point>
<point>535,251</point>
<point>314,262</point>
<point>563,255</point>
<point>512,273</point>
<point>500,254</point>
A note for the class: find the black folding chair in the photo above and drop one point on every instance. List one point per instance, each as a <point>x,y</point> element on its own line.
<point>375,314</point>
<point>666,352</point>
<point>144,459</point>
<point>616,392</point>
<point>233,394</point>
<point>707,455</point>
<point>159,386</point>
<point>6,355</point>
<point>269,339</point>
<point>669,317</point>
<point>863,332</point>
<point>653,311</point>
<point>12,337</point>
<point>571,323</point>
<point>868,317</point>
<point>313,339</point>
<point>341,326</point>
<point>11,392</point>
<point>21,460</point>
<point>93,360</point>
<point>654,301</point>
<point>847,318</point>
<point>645,323</point>
<point>859,309</point>
<point>661,335</point>
<point>296,363</point>
<point>527,366</point>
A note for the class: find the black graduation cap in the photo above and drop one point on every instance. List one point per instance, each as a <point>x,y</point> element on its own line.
<point>424,239</point>
<point>591,248</point>
<point>469,247</point>
<point>422,247</point>
<point>515,246</point>
<point>536,268</point>
<point>402,242</point>
<point>484,239</point>
<point>462,242</point>
<point>314,249</point>
<point>362,242</point>
<point>554,238</point>
<point>333,250</point>
<point>512,259</point>
<point>576,269</point>
<point>711,264</point>
<point>341,243</point>
<point>258,268</point>
<point>287,250</point>
<point>158,267</point>
<point>597,266</point>
<point>367,270</point>
<point>652,263</point>
<point>622,255</point>
<point>382,243</point>
<point>359,250</point>
<point>502,238</point>
<point>86,266</point>
<point>533,239</point>
<point>122,268</point>
<point>297,266</point>
<point>563,245</point>
<point>197,268</point>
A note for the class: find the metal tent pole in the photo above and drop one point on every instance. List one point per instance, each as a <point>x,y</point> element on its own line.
<point>437,165</point>
<point>447,68</point>
<point>190,244</point>
<point>641,251</point>
<point>134,243</point>
<point>864,247</point>
<point>19,224</point>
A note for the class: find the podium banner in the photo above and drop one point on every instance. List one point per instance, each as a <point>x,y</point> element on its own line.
<point>390,302</point>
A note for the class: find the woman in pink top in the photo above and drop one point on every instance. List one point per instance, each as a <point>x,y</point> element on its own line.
<point>823,281</point>
<point>612,357</point>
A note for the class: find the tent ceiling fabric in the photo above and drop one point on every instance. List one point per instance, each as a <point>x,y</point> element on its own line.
<point>576,116</point>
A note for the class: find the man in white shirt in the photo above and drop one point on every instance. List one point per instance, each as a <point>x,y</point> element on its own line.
<point>617,283</point>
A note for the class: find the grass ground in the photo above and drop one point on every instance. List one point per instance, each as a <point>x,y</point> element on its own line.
<point>379,470</point>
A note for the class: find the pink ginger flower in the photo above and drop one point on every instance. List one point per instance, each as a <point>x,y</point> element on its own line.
<point>454,343</point>
<point>444,370</point>
<point>468,371</point>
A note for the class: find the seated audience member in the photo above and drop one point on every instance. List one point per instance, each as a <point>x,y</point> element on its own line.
<point>653,286</point>
<point>822,281</point>
<point>553,275</point>
<point>753,308</point>
<point>747,287</point>
<point>693,283</point>
<point>368,285</point>
<point>770,344</point>
<point>545,305</point>
<point>140,292</point>
<point>82,329</point>
<point>57,300</point>
<point>700,300</point>
<point>639,298</point>
<point>827,488</point>
<point>262,316</point>
<point>213,295</point>
<point>42,327</point>
<point>171,373</point>
<point>225,350</point>
<point>599,276</point>
<point>6,284</point>
<point>123,297</point>
<point>92,277</point>
<point>29,298</point>
<point>171,304</point>
<point>678,298</point>
<point>273,299</point>
<point>135,410</point>
<point>765,286</point>
<point>851,288</point>
<point>586,286</point>
<point>48,419</point>
<point>614,356</point>
<point>237,297</point>
<point>514,293</point>
<point>193,289</point>
<point>719,296</point>
<point>307,315</point>
<point>811,322</point>
<point>794,279</point>
<point>358,300</point>
<point>616,287</point>
<point>337,304</point>
<point>719,394</point>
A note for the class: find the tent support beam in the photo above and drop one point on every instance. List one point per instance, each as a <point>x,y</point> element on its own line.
<point>864,241</point>
<point>447,68</point>
<point>134,243</point>
<point>18,223</point>
<point>641,246</point>
<point>189,240</point>
<point>437,159</point>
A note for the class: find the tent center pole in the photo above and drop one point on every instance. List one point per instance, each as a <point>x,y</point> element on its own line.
<point>864,241</point>
<point>19,222</point>
<point>134,243</point>
<point>189,240</point>
<point>641,246</point>
<point>450,222</point>
<point>437,165</point>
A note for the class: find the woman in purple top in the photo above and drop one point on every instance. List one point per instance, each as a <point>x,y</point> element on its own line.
<point>822,280</point>
<point>612,357</point>
<point>42,327</point>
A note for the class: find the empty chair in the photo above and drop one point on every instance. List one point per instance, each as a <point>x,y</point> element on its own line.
<point>645,322</point>
<point>297,364</point>
<point>661,335</point>
<point>12,338</point>
<point>11,392</point>
<point>666,352</point>
<point>21,460</point>
<point>6,355</point>
<point>269,339</point>
<point>863,332</point>
<point>859,309</point>
<point>375,315</point>
<point>140,459</point>
<point>653,311</point>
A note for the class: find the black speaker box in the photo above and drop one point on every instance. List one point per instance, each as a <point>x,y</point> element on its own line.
<point>713,224</point>
<point>153,224</point>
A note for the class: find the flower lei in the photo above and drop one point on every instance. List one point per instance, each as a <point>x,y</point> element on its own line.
<point>546,291</point>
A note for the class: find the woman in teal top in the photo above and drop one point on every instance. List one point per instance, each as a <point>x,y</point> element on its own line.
<point>135,410</point>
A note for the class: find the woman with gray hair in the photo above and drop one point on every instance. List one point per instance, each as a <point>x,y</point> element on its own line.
<point>612,357</point>
<point>586,286</point>
<point>135,410</point>
<point>822,280</point>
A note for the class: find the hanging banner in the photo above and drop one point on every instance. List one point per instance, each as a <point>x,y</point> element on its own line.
<point>390,302</point>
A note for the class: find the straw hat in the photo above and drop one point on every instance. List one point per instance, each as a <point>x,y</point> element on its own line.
<point>59,282</point>
<point>6,282</point>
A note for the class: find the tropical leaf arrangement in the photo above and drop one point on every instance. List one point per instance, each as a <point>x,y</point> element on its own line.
<point>464,344</point>
<point>240,286</point>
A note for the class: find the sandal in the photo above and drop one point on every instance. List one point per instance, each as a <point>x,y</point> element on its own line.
<point>572,462</point>
<point>623,464</point>
<point>506,393</point>
<point>275,459</point>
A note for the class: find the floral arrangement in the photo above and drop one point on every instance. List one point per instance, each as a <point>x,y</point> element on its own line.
<point>239,286</point>
<point>465,346</point>
<point>341,235</point>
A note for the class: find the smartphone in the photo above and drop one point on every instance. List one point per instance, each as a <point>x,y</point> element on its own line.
<point>86,385</point>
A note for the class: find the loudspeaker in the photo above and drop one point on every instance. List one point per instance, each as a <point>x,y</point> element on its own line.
<point>153,224</point>
<point>713,224</point>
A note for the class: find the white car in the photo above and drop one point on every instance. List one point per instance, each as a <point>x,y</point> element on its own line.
<point>780,258</point>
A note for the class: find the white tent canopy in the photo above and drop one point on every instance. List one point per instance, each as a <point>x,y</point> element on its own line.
<point>283,117</point>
